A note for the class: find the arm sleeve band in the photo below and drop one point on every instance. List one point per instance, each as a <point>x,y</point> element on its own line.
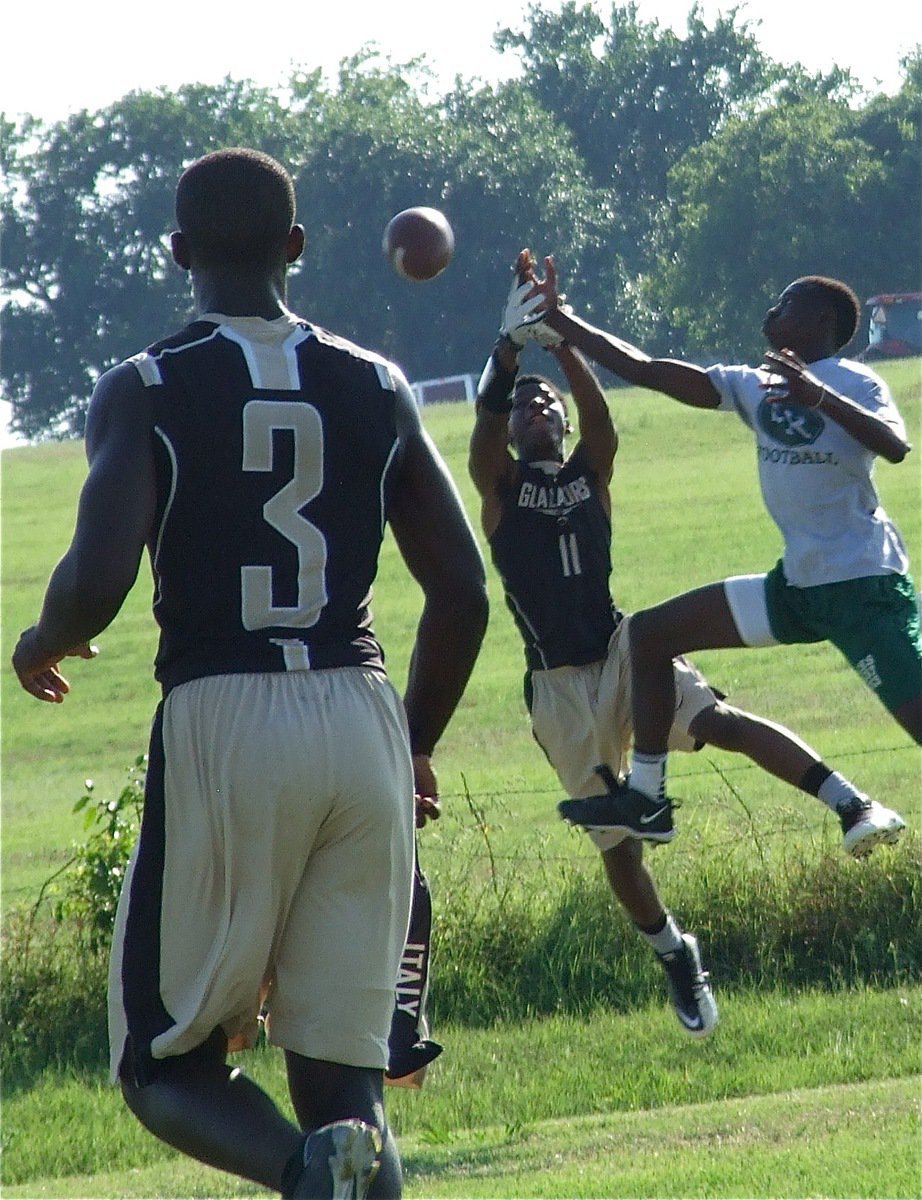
<point>494,391</point>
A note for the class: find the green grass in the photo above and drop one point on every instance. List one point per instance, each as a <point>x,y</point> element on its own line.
<point>818,1142</point>
<point>622,1101</point>
<point>544,939</point>
<point>606,1096</point>
<point>679,476</point>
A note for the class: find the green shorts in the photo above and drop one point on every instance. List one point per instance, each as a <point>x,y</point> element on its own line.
<point>874,621</point>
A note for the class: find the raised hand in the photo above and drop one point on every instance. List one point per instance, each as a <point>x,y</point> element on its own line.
<point>522,302</point>
<point>522,320</point>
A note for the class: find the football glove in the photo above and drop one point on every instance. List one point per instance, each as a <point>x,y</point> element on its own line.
<point>520,310</point>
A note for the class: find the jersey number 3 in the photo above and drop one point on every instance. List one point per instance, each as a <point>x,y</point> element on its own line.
<point>282,512</point>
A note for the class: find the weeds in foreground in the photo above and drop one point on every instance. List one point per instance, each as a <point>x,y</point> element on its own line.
<point>527,937</point>
<point>553,940</point>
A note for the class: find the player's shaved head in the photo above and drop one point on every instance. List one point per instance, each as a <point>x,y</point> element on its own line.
<point>235,207</point>
<point>839,295</point>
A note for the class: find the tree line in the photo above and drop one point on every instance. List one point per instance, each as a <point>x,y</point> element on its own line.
<point>681,180</point>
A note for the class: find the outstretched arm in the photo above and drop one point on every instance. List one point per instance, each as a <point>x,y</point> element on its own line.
<point>490,462</point>
<point>683,381</point>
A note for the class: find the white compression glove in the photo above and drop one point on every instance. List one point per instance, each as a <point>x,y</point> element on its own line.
<point>519,312</point>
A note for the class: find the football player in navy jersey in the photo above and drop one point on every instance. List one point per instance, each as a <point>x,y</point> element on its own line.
<point>819,420</point>
<point>546,514</point>
<point>258,458</point>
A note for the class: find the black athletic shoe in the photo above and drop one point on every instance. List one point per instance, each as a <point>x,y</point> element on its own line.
<point>340,1161</point>
<point>690,988</point>
<point>622,810</point>
<point>865,824</point>
<point>409,1068</point>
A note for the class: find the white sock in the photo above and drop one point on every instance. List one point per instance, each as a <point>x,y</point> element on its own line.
<point>668,939</point>
<point>836,790</point>
<point>648,775</point>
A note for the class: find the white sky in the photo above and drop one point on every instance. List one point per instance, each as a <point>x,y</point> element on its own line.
<point>58,57</point>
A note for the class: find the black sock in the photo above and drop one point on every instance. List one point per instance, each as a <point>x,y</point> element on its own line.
<point>814,778</point>
<point>654,929</point>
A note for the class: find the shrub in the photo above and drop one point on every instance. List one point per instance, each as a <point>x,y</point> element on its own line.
<point>93,878</point>
<point>52,992</point>
<point>53,982</point>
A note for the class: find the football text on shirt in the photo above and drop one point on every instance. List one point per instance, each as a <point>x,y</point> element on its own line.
<point>815,458</point>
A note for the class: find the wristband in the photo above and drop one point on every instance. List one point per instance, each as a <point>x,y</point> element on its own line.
<point>494,391</point>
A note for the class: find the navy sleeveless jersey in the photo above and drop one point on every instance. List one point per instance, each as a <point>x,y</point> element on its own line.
<point>274,447</point>
<point>552,549</point>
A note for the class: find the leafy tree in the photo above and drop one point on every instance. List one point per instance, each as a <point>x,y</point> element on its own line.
<point>796,189</point>
<point>377,147</point>
<point>503,171</point>
<point>667,173</point>
<point>519,180</point>
<point>90,204</point>
<point>86,210</point>
<point>891,241</point>
<point>636,97</point>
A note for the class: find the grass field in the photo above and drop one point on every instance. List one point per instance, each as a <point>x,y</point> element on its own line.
<point>686,512</point>
<point>781,1102</point>
<point>814,1094</point>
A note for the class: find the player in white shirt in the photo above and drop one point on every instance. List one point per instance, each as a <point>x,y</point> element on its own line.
<point>819,421</point>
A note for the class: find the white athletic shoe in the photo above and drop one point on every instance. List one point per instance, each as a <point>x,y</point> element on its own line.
<point>865,823</point>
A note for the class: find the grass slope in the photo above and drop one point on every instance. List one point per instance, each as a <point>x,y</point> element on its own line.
<point>617,1104</point>
<point>791,1096</point>
<point>686,511</point>
<point>857,1140</point>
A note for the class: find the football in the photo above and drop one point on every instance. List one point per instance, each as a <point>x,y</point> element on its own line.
<point>419,243</point>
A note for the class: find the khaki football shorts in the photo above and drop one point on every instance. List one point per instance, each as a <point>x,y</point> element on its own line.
<point>581,717</point>
<point>275,861</point>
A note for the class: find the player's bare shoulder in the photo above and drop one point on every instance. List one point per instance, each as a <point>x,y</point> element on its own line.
<point>120,402</point>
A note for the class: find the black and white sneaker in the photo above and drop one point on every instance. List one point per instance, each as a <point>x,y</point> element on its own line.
<point>340,1161</point>
<point>690,988</point>
<point>622,810</point>
<point>865,823</point>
